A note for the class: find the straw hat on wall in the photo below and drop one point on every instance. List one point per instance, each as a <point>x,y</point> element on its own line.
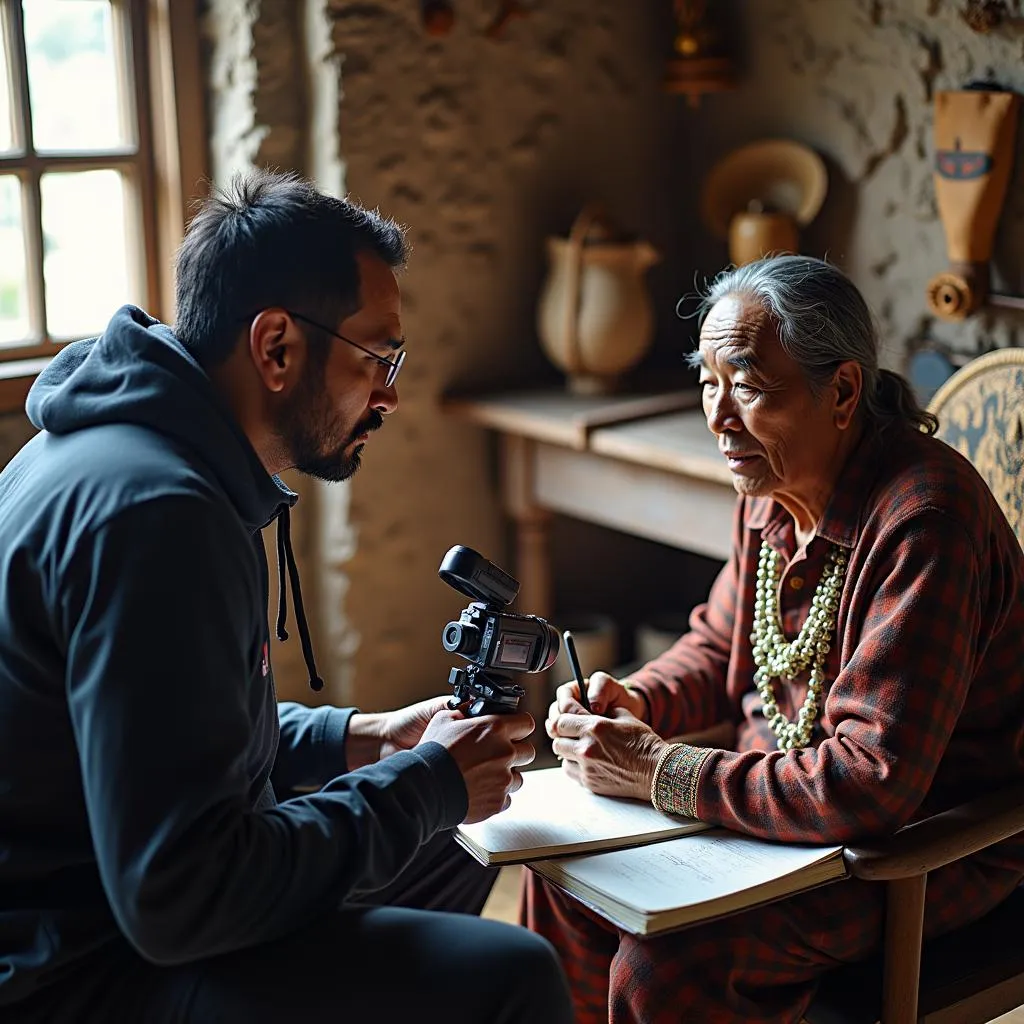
<point>759,195</point>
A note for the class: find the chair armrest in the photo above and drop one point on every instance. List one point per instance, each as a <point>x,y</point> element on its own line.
<point>941,839</point>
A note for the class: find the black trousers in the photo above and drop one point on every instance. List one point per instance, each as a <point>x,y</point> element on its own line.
<point>410,952</point>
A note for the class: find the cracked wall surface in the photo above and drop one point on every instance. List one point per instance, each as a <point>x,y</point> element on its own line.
<point>484,147</point>
<point>267,77</point>
<point>855,79</point>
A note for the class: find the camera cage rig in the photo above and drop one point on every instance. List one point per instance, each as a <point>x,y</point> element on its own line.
<point>495,642</point>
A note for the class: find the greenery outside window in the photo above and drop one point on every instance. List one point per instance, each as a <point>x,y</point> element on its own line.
<point>84,226</point>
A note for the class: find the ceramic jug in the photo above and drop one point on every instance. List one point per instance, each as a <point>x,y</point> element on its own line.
<point>595,318</point>
<point>757,233</point>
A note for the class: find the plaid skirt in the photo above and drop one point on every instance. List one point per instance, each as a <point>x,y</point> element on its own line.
<point>758,966</point>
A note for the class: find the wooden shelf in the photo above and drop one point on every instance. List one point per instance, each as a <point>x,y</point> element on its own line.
<point>557,417</point>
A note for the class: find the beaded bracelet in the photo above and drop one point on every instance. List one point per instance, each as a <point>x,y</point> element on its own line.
<point>674,788</point>
<point>657,772</point>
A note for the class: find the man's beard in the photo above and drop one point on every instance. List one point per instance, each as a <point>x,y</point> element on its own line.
<point>310,434</point>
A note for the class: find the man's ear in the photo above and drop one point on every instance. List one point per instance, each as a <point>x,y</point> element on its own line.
<point>848,383</point>
<point>276,348</point>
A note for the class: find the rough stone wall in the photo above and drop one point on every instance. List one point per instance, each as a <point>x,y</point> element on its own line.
<point>482,147</point>
<point>264,91</point>
<point>855,79</point>
<point>485,147</point>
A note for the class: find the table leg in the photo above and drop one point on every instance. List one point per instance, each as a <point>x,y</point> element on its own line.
<point>533,553</point>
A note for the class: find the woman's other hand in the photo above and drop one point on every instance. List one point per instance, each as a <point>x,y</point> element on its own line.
<point>606,693</point>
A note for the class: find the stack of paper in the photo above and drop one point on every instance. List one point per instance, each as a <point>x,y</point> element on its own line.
<point>552,815</point>
<point>672,872</point>
<point>652,889</point>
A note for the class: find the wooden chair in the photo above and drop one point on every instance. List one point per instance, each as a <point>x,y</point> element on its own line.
<point>976,973</point>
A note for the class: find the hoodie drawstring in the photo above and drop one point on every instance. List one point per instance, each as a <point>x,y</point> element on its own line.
<point>286,563</point>
<point>282,582</point>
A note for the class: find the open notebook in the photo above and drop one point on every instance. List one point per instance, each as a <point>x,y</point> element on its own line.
<point>551,815</point>
<point>651,889</point>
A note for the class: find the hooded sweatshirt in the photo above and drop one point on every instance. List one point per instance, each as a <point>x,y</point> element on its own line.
<point>142,749</point>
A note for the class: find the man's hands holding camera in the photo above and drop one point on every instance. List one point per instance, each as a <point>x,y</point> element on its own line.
<point>373,736</point>
<point>489,750</point>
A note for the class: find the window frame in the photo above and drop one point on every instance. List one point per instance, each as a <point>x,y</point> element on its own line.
<point>161,70</point>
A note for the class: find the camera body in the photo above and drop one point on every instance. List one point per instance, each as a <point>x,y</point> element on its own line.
<point>495,642</point>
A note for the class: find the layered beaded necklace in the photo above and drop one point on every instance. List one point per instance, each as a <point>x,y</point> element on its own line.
<point>776,658</point>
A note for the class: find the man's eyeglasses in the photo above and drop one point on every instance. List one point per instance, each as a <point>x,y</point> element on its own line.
<point>393,365</point>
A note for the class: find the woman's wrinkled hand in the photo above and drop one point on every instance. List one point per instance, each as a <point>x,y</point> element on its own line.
<point>606,694</point>
<point>614,755</point>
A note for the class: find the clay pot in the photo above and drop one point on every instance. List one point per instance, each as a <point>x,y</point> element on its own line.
<point>595,318</point>
<point>760,195</point>
<point>753,234</point>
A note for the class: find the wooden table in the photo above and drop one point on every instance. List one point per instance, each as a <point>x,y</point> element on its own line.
<point>646,465</point>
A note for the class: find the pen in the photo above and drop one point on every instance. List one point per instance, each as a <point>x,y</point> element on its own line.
<point>574,664</point>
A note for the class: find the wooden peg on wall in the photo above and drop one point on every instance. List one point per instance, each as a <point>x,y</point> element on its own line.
<point>507,13</point>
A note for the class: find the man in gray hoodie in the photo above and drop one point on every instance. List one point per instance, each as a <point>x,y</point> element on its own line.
<point>156,861</point>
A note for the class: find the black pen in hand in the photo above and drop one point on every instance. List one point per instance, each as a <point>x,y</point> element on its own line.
<point>574,664</point>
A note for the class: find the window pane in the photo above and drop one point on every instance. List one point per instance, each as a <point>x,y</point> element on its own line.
<point>14,324</point>
<point>85,247</point>
<point>6,124</point>
<point>73,74</point>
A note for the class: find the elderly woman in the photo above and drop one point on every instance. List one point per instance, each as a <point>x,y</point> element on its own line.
<point>866,638</point>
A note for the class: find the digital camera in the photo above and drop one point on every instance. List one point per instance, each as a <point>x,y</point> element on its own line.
<point>495,642</point>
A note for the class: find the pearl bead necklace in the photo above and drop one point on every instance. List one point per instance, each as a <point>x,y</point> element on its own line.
<point>775,657</point>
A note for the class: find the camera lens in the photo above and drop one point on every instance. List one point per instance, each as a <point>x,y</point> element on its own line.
<point>551,651</point>
<point>460,638</point>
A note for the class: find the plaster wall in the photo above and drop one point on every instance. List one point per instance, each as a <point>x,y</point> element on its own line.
<point>856,79</point>
<point>482,147</point>
<point>272,91</point>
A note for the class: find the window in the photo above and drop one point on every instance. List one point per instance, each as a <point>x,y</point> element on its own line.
<point>77,210</point>
<point>102,148</point>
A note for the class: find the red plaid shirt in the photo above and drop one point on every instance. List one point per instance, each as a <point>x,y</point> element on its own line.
<point>924,687</point>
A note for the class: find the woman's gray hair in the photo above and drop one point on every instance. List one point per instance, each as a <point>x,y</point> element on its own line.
<point>822,320</point>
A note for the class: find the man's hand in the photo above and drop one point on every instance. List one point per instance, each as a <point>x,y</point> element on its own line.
<point>403,729</point>
<point>373,736</point>
<point>488,750</point>
<point>613,755</point>
<point>606,694</point>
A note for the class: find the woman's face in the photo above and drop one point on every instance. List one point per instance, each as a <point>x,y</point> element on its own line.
<point>778,437</point>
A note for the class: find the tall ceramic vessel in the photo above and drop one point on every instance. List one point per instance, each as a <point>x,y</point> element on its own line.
<point>595,318</point>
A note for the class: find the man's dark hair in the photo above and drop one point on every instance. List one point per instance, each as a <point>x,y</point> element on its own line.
<point>272,239</point>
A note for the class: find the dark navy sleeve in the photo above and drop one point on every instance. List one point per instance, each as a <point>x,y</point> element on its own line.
<point>158,611</point>
<point>312,746</point>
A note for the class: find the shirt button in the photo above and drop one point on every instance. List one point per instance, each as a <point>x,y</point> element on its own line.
<point>796,582</point>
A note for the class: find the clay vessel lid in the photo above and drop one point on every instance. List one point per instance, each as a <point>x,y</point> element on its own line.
<point>774,174</point>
